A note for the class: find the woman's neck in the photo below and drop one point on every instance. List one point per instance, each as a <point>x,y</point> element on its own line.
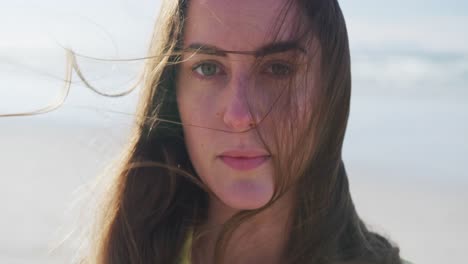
<point>259,240</point>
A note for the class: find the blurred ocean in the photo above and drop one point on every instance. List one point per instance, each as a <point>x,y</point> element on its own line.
<point>404,150</point>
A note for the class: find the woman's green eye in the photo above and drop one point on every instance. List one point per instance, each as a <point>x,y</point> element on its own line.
<point>207,69</point>
<point>279,69</point>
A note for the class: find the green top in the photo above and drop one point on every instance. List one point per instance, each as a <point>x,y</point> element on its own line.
<point>187,251</point>
<point>186,256</point>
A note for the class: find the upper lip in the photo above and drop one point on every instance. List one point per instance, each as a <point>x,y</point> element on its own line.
<point>244,153</point>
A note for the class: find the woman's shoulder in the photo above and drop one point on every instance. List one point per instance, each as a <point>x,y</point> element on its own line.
<point>185,257</point>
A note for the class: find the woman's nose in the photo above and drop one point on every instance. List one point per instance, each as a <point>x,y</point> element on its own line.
<point>238,109</point>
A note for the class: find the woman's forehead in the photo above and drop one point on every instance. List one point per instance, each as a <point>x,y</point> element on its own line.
<point>242,25</point>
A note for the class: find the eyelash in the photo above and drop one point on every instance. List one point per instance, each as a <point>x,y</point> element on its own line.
<point>289,68</point>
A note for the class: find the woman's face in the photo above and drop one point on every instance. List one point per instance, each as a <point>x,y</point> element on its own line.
<point>220,95</point>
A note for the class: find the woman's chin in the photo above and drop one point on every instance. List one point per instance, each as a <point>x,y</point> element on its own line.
<point>246,195</point>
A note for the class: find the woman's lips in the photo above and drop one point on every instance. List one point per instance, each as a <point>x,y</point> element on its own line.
<point>244,163</point>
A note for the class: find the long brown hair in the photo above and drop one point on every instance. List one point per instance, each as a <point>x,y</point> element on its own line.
<point>156,196</point>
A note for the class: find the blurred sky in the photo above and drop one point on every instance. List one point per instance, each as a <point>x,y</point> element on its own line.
<point>401,8</point>
<point>426,25</point>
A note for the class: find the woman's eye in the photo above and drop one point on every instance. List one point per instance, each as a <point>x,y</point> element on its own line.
<point>207,69</point>
<point>279,69</point>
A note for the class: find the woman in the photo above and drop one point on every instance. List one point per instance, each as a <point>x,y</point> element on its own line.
<point>236,155</point>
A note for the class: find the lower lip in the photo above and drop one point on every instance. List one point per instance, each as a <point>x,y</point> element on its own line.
<point>244,163</point>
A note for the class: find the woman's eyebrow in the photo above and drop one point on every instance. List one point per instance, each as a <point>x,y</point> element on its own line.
<point>270,48</point>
